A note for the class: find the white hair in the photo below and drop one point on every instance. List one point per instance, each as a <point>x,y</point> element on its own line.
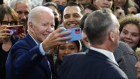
<point>13,3</point>
<point>37,11</point>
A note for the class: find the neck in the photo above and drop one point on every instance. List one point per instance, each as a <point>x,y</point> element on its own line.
<point>105,47</point>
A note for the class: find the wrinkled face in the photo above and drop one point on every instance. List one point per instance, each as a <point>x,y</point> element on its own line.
<point>103,3</point>
<point>23,11</point>
<point>130,34</point>
<point>67,48</point>
<point>137,66</point>
<point>60,2</point>
<point>72,16</point>
<point>120,3</point>
<point>84,1</point>
<point>44,25</point>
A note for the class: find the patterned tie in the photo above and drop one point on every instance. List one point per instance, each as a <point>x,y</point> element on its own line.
<point>51,66</point>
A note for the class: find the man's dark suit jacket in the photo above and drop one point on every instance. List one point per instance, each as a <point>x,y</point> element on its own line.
<point>126,58</point>
<point>90,65</point>
<point>25,61</point>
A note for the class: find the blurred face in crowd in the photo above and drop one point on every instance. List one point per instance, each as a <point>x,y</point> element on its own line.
<point>84,2</point>
<point>131,35</point>
<point>55,12</point>
<point>87,10</point>
<point>72,16</point>
<point>120,3</point>
<point>60,2</point>
<point>42,26</point>
<point>68,48</point>
<point>132,10</point>
<point>103,3</point>
<point>23,11</point>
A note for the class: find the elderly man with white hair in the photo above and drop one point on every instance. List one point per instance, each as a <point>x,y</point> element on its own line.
<point>29,58</point>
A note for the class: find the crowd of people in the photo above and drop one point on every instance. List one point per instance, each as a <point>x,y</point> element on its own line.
<point>109,48</point>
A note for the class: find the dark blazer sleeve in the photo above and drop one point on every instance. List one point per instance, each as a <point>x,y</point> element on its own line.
<point>126,58</point>
<point>25,56</point>
<point>114,73</point>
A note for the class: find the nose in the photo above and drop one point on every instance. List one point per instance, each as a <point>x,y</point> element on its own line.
<point>71,18</point>
<point>128,36</point>
<point>67,51</point>
<point>23,16</point>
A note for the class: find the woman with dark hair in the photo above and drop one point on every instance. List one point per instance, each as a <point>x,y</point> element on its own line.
<point>8,17</point>
<point>65,49</point>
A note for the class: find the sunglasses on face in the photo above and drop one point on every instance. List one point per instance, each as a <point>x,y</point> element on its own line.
<point>9,23</point>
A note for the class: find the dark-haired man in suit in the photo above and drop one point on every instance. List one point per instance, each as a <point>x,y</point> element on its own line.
<point>102,30</point>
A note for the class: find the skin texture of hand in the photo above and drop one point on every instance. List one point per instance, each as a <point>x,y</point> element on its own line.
<point>55,38</point>
<point>4,33</point>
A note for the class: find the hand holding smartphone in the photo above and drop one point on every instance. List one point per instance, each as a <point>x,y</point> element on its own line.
<point>75,33</point>
<point>16,29</point>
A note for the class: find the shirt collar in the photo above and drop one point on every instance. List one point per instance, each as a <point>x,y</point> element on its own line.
<point>106,53</point>
<point>34,40</point>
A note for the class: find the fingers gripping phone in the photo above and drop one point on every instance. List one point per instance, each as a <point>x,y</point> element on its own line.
<point>16,30</point>
<point>75,33</point>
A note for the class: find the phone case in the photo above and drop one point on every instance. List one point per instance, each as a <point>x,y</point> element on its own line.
<point>75,33</point>
<point>16,30</point>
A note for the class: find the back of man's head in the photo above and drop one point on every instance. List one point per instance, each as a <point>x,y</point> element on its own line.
<point>97,25</point>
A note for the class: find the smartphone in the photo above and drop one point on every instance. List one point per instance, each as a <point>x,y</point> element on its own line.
<point>75,33</point>
<point>16,29</point>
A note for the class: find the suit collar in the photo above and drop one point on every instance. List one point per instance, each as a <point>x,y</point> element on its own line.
<point>30,41</point>
<point>93,51</point>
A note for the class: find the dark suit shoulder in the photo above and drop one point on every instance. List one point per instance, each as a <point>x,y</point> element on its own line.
<point>91,65</point>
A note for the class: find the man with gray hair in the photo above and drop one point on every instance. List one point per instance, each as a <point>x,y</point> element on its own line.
<point>22,7</point>
<point>29,58</point>
<point>102,30</point>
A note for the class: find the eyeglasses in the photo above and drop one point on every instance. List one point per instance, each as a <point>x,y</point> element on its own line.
<point>9,23</point>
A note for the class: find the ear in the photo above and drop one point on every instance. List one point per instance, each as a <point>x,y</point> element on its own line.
<point>112,36</point>
<point>31,27</point>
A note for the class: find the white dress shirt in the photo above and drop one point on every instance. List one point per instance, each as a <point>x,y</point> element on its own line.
<point>106,53</point>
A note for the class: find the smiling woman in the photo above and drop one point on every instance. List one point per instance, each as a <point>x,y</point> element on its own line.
<point>130,31</point>
<point>65,49</point>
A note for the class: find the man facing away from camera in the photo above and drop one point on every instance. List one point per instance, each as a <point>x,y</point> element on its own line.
<point>102,30</point>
